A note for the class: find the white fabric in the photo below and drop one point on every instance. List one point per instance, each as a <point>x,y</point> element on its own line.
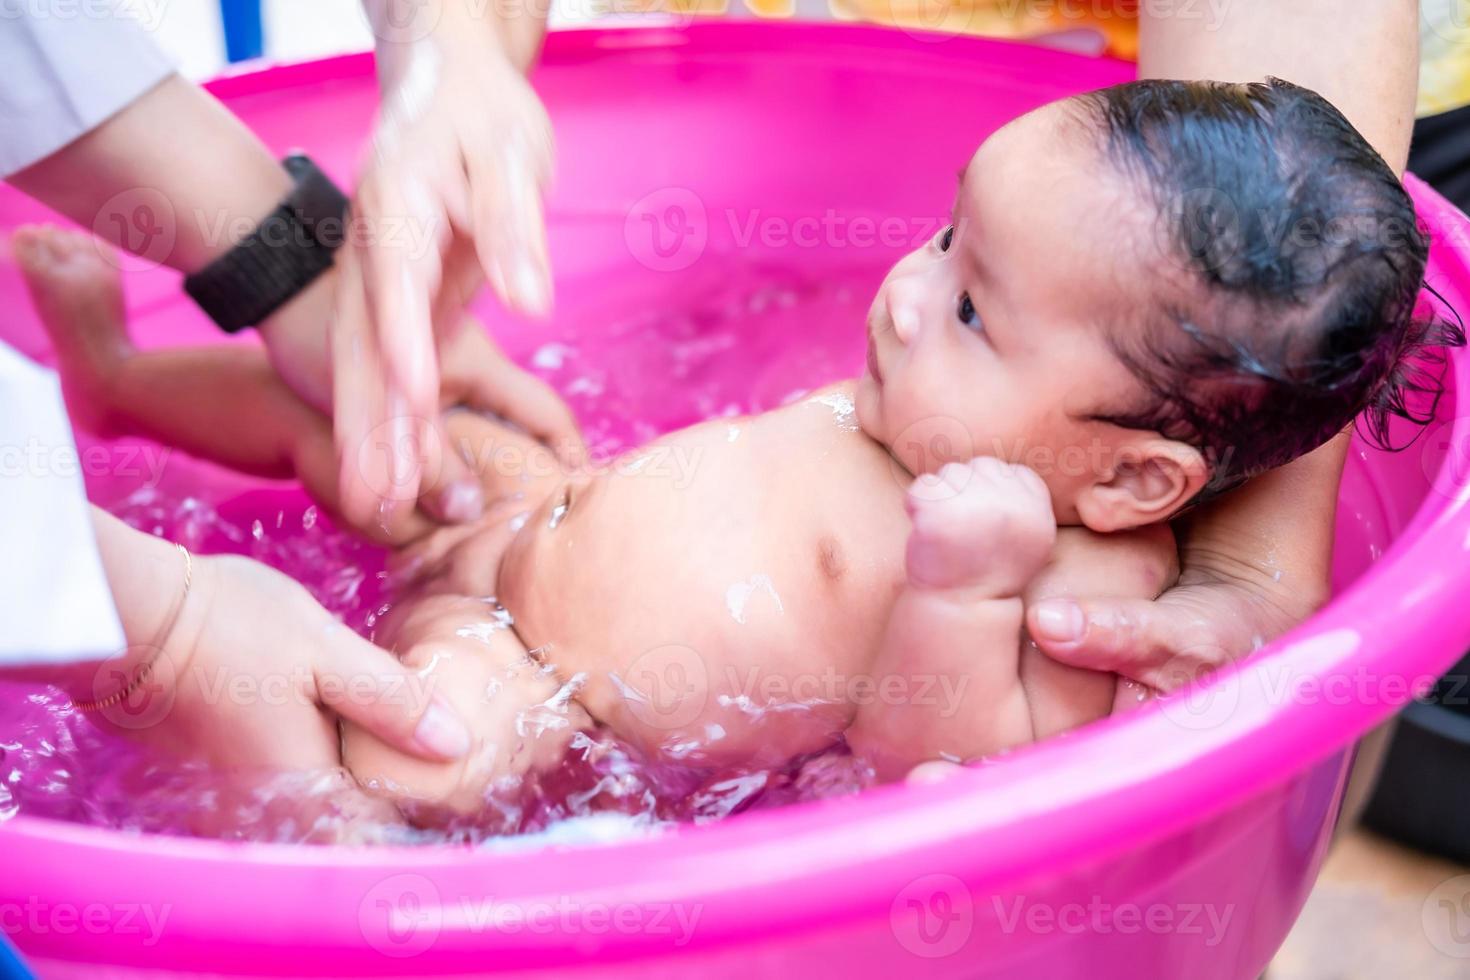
<point>67,66</point>
<point>55,606</point>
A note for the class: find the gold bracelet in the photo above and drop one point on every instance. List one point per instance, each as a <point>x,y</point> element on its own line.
<point>146,671</point>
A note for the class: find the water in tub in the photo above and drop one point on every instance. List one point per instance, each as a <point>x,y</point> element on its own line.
<point>744,341</point>
<point>717,342</point>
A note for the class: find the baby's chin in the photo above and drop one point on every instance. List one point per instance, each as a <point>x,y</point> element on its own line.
<point>510,580</point>
<point>867,400</point>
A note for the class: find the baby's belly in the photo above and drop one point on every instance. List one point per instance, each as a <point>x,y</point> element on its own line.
<point>730,681</point>
<point>729,617</point>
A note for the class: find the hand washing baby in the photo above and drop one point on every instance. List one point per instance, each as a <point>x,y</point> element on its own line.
<point>1125,316</point>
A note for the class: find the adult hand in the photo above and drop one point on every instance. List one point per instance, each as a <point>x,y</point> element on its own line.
<point>246,669</point>
<point>1249,571</point>
<point>1209,619</point>
<point>451,198</point>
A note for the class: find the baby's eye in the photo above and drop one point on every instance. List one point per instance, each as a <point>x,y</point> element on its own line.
<point>967,313</point>
<point>946,238</point>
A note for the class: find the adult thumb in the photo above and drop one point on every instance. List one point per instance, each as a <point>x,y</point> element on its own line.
<point>367,685</point>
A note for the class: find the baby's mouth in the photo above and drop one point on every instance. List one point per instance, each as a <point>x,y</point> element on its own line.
<point>873,368</point>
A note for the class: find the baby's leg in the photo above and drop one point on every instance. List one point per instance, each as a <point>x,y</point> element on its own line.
<point>521,717</point>
<point>225,404</point>
<point>222,403</point>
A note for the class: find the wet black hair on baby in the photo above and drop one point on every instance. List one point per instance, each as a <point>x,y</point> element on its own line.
<point>1293,265</point>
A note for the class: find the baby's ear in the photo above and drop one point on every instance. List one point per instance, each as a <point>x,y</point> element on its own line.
<point>1147,481</point>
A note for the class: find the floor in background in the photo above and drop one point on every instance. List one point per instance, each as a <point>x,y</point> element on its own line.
<point>1381,911</point>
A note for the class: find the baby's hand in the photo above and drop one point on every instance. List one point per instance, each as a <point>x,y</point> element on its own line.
<point>986,525</point>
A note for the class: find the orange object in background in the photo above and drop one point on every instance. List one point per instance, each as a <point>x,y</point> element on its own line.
<point>1116,21</point>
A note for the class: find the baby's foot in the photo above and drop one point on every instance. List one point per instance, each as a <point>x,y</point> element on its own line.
<point>78,295</point>
<point>985,526</point>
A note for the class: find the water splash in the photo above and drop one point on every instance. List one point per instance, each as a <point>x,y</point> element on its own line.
<point>715,347</point>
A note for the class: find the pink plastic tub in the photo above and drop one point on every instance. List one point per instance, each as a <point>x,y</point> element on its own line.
<point>1180,843</point>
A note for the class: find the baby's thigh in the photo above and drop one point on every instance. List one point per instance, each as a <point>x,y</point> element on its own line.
<point>520,721</point>
<point>507,460</point>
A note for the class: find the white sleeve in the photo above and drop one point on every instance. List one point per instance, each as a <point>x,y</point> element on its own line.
<point>55,605</point>
<point>68,67</point>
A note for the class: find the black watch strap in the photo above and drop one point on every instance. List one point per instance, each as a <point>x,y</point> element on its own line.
<point>288,249</point>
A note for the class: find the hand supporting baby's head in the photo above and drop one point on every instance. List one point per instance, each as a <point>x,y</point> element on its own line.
<point>1151,293</point>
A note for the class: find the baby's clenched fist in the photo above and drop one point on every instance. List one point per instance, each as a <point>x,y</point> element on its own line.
<point>986,525</point>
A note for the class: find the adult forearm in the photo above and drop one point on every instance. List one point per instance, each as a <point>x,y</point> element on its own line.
<point>178,180</point>
<point>174,177</point>
<point>1365,59</point>
<point>1361,56</point>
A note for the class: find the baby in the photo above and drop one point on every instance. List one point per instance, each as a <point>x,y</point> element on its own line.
<point>1125,317</point>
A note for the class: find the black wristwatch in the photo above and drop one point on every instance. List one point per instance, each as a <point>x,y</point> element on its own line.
<point>288,249</point>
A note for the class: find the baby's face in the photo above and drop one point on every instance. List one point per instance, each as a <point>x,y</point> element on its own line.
<point>993,339</point>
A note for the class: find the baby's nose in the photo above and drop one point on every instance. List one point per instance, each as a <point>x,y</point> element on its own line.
<point>902,304</point>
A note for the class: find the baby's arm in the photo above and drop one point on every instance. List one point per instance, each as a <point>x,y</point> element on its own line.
<point>520,717</point>
<point>949,660</point>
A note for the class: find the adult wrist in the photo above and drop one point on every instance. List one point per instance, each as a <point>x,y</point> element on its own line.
<point>283,254</point>
<point>143,573</point>
<point>451,30</point>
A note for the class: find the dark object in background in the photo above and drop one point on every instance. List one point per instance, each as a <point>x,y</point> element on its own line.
<point>1440,154</point>
<point>1423,792</point>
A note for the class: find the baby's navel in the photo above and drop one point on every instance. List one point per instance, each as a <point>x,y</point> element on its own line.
<point>829,558</point>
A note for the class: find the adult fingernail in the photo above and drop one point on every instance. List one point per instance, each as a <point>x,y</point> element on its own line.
<point>442,732</point>
<point>1059,620</point>
<point>463,501</point>
<point>497,280</point>
<point>403,448</point>
<point>530,288</point>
